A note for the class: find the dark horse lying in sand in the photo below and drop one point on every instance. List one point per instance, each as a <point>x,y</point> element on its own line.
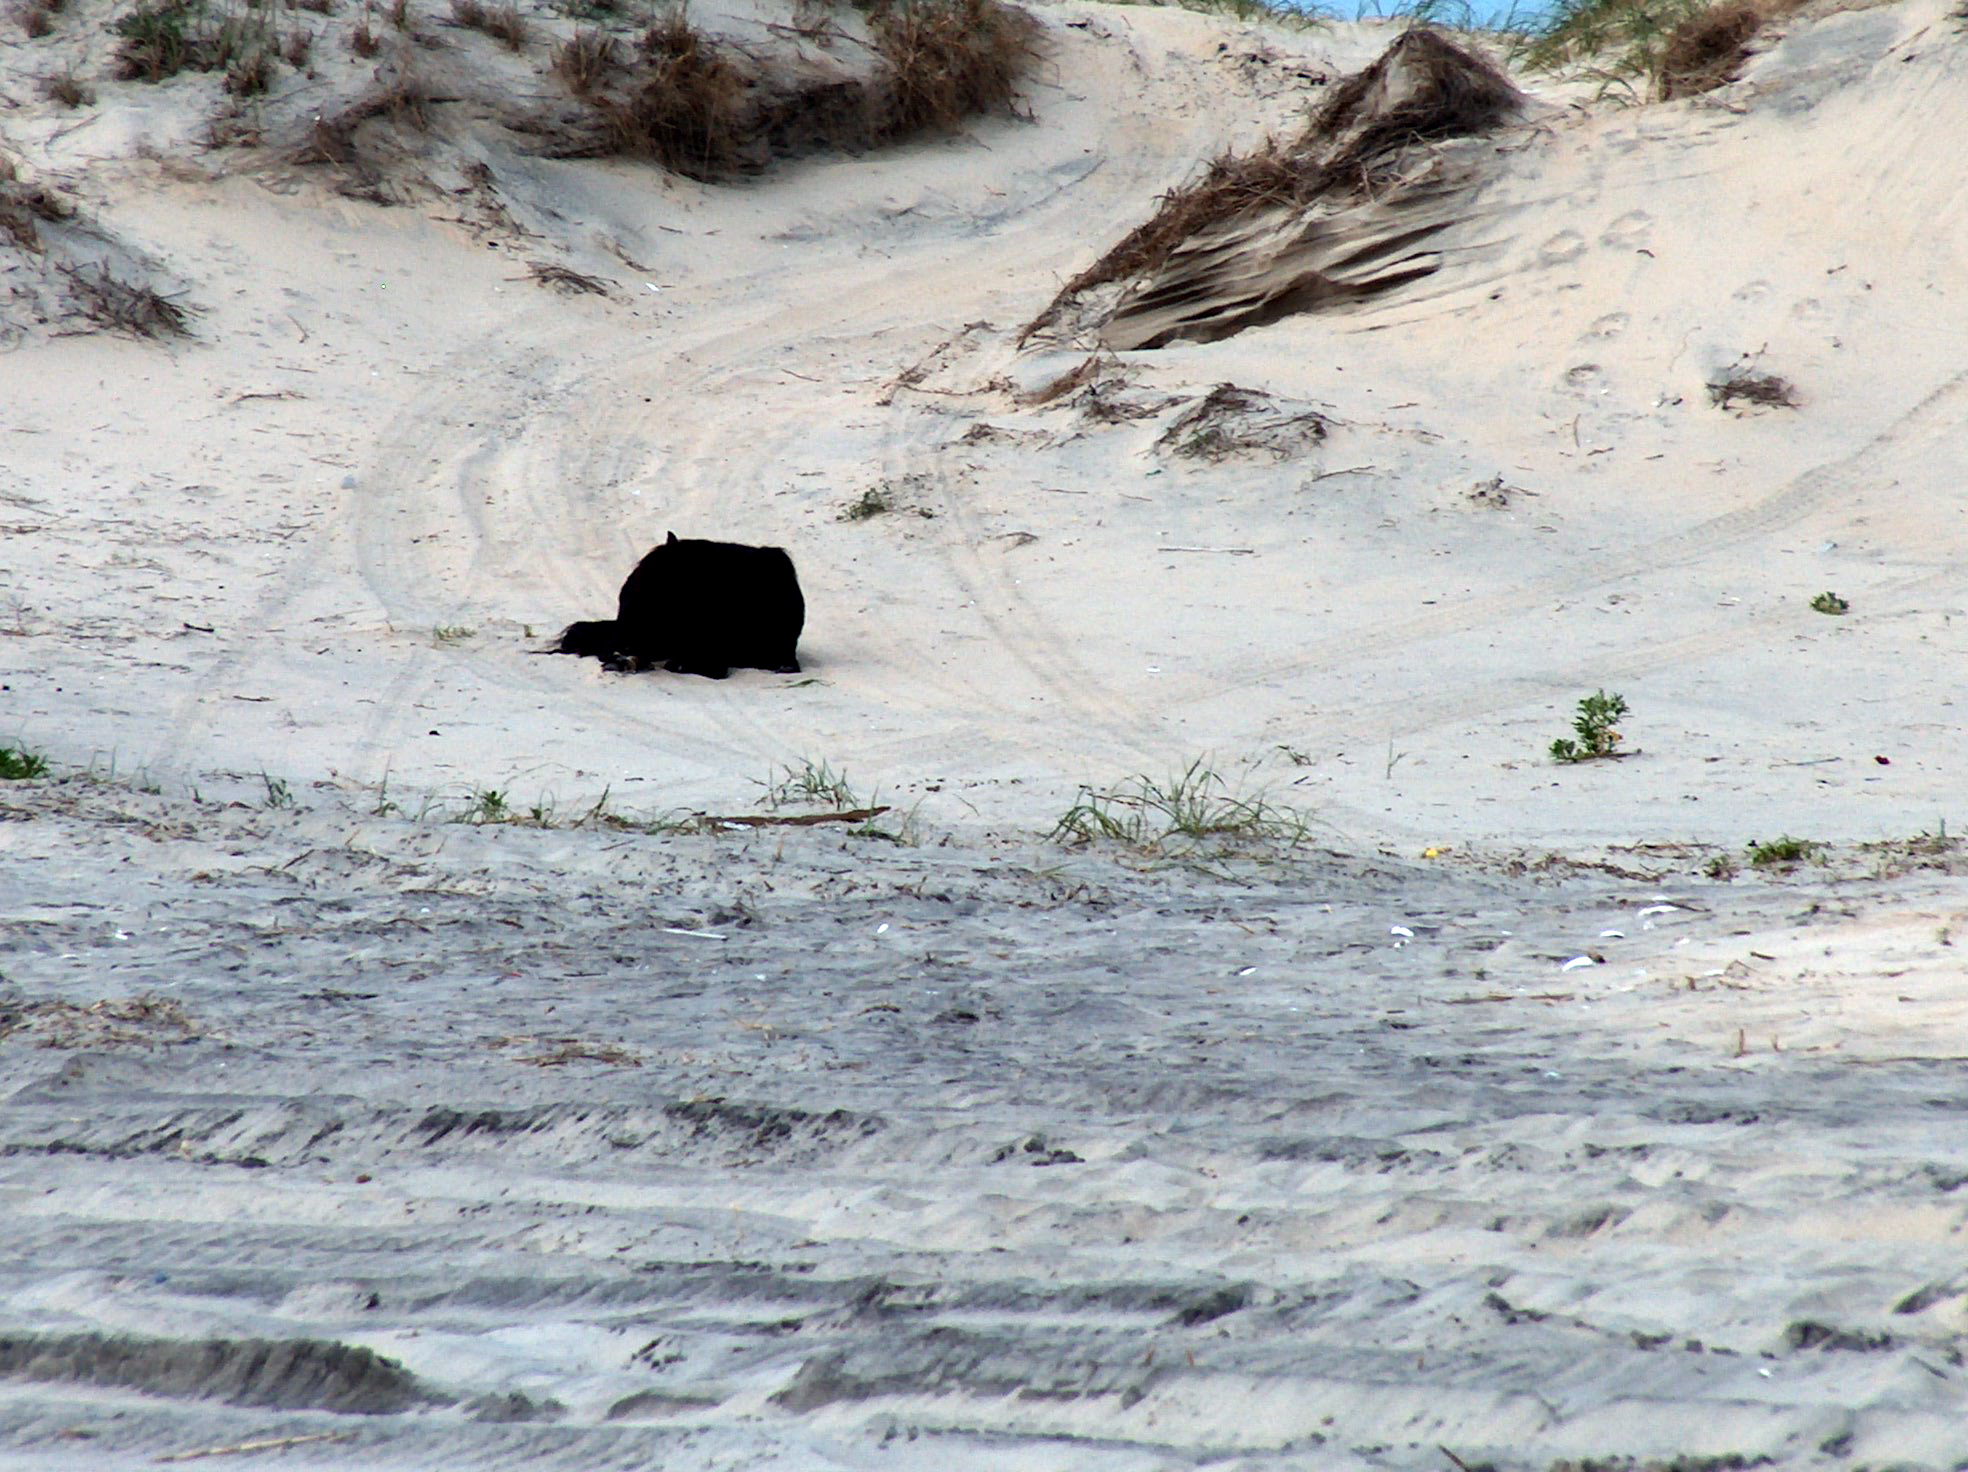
<point>700,608</point>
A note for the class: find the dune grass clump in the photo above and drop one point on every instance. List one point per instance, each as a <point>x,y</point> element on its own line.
<point>1782,852</point>
<point>158,40</point>
<point>948,60</point>
<point>336,139</point>
<point>586,60</point>
<point>711,111</point>
<point>1663,48</point>
<point>811,783</point>
<point>18,764</point>
<point>66,88</point>
<point>502,22</point>
<point>37,17</point>
<point>1193,813</point>
<point>686,106</point>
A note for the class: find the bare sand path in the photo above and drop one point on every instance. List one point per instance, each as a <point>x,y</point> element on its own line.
<point>785,1150</point>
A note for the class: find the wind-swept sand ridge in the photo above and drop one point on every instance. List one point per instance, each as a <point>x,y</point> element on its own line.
<point>423,1143</point>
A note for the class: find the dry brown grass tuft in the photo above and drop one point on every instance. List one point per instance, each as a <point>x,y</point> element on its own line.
<point>108,301</point>
<point>250,73</point>
<point>335,140</point>
<point>363,40</point>
<point>585,61</point>
<point>67,89</point>
<point>550,273</point>
<point>1707,49</point>
<point>710,111</point>
<point>25,207</point>
<point>1230,421</point>
<point>1763,389</point>
<point>502,22</point>
<point>298,49</point>
<point>35,19</point>
<point>687,107</point>
<point>948,60</point>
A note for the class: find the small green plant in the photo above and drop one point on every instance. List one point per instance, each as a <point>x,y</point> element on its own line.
<point>1721,866</point>
<point>452,634</point>
<point>1830,603</point>
<point>487,806</point>
<point>1780,851</point>
<point>17,764</point>
<point>278,793</point>
<point>813,783</point>
<point>1597,736</point>
<point>875,501</point>
<point>906,833</point>
<point>1190,811</point>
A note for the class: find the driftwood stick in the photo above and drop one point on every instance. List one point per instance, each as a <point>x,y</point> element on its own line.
<point>265,1444</point>
<point>793,820</point>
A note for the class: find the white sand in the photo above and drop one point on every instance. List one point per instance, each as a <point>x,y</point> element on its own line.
<point>1439,1219</point>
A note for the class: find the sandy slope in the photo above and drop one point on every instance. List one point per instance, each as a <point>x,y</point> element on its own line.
<point>1385,1212</point>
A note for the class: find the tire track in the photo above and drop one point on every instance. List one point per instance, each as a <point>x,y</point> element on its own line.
<point>1938,419</point>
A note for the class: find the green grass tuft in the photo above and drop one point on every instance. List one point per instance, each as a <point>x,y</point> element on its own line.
<point>1781,851</point>
<point>1191,813</point>
<point>17,764</point>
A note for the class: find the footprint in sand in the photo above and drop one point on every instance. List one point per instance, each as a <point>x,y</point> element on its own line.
<point>1566,245</point>
<point>1586,379</point>
<point>1629,232</point>
<point>1607,327</point>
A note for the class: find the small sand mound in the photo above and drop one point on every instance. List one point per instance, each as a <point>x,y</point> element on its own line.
<point>1336,214</point>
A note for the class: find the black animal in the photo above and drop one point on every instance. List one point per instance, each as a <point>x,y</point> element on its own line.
<point>700,608</point>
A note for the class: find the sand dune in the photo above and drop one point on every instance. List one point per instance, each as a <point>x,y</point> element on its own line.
<point>388,1140</point>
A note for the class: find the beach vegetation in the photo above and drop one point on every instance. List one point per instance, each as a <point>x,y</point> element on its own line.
<point>813,784</point>
<point>37,18</point>
<point>1647,49</point>
<point>1194,812</point>
<point>1744,386</point>
<point>489,805</point>
<point>1781,852</point>
<point>18,764</point>
<point>502,22</point>
<point>1830,603</point>
<point>708,110</point>
<point>1595,732</point>
<point>137,308</point>
<point>873,502</point>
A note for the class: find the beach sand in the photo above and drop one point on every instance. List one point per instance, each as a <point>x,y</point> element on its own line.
<point>1502,1113</point>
